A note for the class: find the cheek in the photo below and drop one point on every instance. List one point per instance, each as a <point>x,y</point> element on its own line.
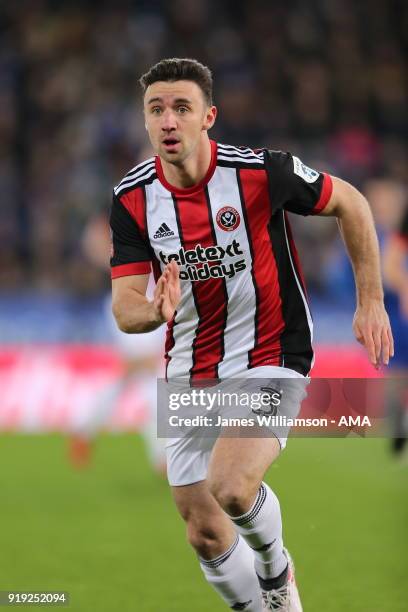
<point>152,131</point>
<point>195,128</point>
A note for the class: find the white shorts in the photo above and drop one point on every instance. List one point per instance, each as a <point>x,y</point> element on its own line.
<point>188,457</point>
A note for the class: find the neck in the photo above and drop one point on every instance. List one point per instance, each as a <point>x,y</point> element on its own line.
<point>192,170</point>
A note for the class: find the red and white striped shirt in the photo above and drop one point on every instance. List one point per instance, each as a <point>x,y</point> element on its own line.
<point>243,301</point>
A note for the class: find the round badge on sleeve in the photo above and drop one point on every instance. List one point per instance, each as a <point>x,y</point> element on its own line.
<point>228,218</point>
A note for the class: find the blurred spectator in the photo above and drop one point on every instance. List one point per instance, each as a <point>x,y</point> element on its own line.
<point>325,79</point>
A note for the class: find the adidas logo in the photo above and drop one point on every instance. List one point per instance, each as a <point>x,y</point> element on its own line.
<point>163,231</point>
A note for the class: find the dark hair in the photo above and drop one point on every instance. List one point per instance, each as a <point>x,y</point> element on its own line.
<point>176,69</point>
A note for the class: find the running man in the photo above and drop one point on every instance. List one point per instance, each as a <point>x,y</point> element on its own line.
<point>210,220</point>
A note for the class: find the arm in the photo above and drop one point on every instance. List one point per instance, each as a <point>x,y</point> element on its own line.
<point>371,324</point>
<point>132,310</point>
<point>130,264</point>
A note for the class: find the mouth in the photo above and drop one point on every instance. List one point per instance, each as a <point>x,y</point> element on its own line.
<point>171,143</point>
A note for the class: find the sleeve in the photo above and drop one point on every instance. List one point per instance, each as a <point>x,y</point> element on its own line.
<point>130,252</point>
<point>296,187</point>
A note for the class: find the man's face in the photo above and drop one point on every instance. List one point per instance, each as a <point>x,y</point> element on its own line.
<point>176,115</point>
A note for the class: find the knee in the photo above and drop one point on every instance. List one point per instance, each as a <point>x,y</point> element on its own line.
<point>204,539</point>
<point>235,497</point>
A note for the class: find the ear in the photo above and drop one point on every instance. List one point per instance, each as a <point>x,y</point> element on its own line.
<point>209,117</point>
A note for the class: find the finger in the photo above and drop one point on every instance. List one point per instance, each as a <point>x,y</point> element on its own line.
<point>385,347</point>
<point>370,346</point>
<point>164,286</point>
<point>156,289</point>
<point>169,272</point>
<point>160,301</point>
<point>159,287</point>
<point>358,334</point>
<point>158,304</point>
<point>376,333</point>
<point>174,271</point>
<point>174,281</point>
<point>391,340</point>
<point>161,290</point>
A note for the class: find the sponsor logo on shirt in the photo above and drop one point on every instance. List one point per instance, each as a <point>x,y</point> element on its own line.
<point>307,174</point>
<point>202,263</point>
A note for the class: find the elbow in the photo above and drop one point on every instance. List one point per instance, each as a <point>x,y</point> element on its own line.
<point>120,318</point>
<point>124,327</point>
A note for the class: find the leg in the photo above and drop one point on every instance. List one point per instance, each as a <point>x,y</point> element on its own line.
<point>225,559</point>
<point>209,530</point>
<point>236,489</point>
<point>251,504</point>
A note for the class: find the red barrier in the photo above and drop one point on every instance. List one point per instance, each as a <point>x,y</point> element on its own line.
<point>55,388</point>
<point>47,388</point>
<point>343,361</point>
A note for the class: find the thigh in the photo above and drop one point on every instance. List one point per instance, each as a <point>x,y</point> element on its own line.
<point>187,459</point>
<point>241,463</point>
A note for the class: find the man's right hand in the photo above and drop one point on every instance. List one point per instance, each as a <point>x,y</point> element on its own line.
<point>167,293</point>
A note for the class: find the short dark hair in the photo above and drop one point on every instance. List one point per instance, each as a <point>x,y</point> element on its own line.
<point>176,69</point>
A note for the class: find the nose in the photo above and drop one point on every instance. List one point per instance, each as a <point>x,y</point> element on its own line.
<point>169,122</point>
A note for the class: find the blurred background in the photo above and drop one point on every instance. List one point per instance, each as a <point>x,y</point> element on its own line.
<point>324,79</point>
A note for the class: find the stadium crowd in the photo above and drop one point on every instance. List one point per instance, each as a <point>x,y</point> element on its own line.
<point>325,79</point>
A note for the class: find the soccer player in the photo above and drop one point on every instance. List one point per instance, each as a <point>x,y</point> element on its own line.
<point>210,219</point>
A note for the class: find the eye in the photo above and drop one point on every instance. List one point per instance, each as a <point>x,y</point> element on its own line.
<point>182,110</point>
<point>156,110</point>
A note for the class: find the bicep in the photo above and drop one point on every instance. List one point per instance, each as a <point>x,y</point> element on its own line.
<point>342,193</point>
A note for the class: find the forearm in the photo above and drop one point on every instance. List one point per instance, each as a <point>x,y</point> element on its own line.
<point>358,231</point>
<point>134,313</point>
<point>371,325</point>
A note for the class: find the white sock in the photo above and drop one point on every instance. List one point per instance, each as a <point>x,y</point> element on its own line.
<point>233,577</point>
<point>261,527</point>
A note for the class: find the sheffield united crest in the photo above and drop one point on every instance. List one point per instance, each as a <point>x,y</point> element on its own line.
<point>228,218</point>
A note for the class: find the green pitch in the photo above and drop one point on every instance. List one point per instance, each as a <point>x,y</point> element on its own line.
<point>111,537</point>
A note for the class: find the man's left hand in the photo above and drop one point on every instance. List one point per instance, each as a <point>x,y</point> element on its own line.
<point>372,329</point>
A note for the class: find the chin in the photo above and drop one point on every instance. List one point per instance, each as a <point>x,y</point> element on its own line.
<point>173,158</point>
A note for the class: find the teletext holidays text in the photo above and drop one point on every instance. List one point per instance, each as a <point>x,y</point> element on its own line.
<point>196,261</point>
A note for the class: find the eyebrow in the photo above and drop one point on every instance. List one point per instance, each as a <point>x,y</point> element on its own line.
<point>176,101</point>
